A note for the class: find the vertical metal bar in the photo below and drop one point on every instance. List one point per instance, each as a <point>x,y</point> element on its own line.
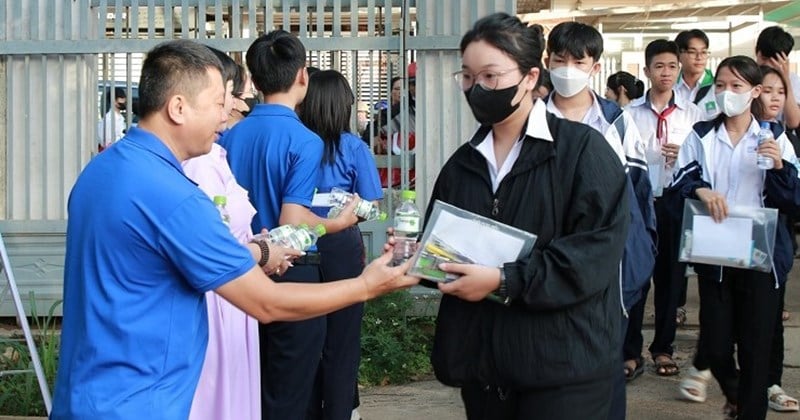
<point>269,15</point>
<point>185,20</point>
<point>236,20</point>
<point>16,19</point>
<point>370,18</point>
<point>320,30</point>
<point>129,89</point>
<point>169,29</point>
<point>118,10</point>
<point>337,18</point>
<point>151,19</point>
<point>251,19</point>
<point>134,23</point>
<point>52,25</point>
<point>303,14</point>
<point>354,20</point>
<point>4,21</point>
<point>84,19</point>
<point>36,13</point>
<point>218,19</point>
<point>44,192</point>
<point>12,134</point>
<point>201,19</point>
<point>28,107</point>
<point>286,11</point>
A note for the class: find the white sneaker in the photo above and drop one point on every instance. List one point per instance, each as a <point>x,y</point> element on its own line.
<point>355,415</point>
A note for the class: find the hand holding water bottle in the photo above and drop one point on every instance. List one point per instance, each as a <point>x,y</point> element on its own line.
<point>364,210</point>
<point>769,152</point>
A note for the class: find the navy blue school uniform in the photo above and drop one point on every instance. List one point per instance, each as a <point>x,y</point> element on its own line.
<point>276,158</point>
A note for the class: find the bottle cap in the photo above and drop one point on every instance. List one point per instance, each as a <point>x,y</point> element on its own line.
<point>320,230</point>
<point>407,195</point>
<point>764,124</point>
<point>220,200</point>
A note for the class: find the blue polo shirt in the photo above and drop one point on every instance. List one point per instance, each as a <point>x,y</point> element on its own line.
<point>143,245</point>
<point>276,159</point>
<point>353,170</point>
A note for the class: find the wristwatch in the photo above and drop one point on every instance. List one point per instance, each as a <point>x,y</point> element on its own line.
<point>501,294</point>
<point>264,246</point>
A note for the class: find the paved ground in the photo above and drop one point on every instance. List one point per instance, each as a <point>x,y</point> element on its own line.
<point>649,397</point>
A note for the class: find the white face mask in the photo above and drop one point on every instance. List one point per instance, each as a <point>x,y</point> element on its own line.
<point>569,80</point>
<point>732,103</point>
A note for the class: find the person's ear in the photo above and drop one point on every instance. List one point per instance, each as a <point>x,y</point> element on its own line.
<point>176,109</point>
<point>532,77</point>
<point>302,77</point>
<point>756,91</point>
<point>595,69</point>
<point>647,72</point>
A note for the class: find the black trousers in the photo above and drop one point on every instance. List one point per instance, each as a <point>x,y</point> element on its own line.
<point>633,342</point>
<point>740,310</point>
<point>337,379</point>
<point>618,406</point>
<point>669,281</point>
<point>290,354</point>
<point>776,355</point>
<point>588,400</point>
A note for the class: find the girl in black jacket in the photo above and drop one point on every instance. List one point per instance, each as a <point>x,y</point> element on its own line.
<point>551,352</point>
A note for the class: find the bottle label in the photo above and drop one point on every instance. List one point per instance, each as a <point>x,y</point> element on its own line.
<point>409,224</point>
<point>363,209</point>
<point>280,233</point>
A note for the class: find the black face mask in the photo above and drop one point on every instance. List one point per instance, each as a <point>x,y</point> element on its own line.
<point>491,106</point>
<point>251,103</point>
<point>121,107</point>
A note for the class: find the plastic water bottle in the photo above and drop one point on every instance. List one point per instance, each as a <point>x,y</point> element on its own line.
<point>764,162</point>
<point>299,237</point>
<point>220,201</point>
<point>366,210</point>
<point>407,225</point>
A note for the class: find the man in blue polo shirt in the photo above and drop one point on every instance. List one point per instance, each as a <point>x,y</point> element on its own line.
<point>143,246</point>
<point>277,159</point>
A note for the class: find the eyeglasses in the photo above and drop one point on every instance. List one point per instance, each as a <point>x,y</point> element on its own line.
<point>696,53</point>
<point>488,79</point>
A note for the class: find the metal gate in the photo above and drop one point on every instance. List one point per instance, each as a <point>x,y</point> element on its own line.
<point>58,55</point>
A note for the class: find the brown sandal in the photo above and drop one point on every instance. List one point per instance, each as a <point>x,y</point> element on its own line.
<point>665,366</point>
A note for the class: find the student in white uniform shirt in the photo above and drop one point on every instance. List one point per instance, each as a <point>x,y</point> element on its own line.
<point>112,127</point>
<point>718,166</point>
<point>696,82</point>
<point>664,120</point>
<point>574,51</point>
<point>772,50</point>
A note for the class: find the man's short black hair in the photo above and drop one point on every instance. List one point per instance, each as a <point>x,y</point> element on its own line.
<point>774,40</point>
<point>274,59</point>
<point>577,39</point>
<point>683,38</point>
<point>179,66</point>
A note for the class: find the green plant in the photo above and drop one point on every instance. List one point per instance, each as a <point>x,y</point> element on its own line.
<point>19,392</point>
<point>395,345</point>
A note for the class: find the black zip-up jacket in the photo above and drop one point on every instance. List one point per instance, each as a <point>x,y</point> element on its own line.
<point>564,323</point>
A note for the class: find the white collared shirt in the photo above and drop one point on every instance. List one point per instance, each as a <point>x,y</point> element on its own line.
<point>536,128</point>
<point>709,109</point>
<point>736,174</point>
<point>679,126</point>
<point>594,118</point>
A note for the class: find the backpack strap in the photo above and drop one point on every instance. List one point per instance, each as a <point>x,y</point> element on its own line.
<point>701,93</point>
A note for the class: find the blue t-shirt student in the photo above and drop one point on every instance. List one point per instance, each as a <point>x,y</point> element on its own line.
<point>353,170</point>
<point>275,158</point>
<point>143,245</point>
